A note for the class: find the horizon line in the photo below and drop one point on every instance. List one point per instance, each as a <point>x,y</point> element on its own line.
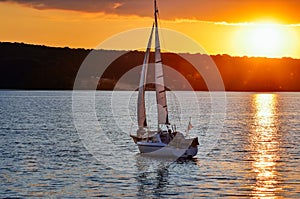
<point>128,50</point>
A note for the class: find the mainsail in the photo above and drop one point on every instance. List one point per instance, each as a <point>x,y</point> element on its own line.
<point>162,109</point>
<point>141,110</point>
<point>159,142</point>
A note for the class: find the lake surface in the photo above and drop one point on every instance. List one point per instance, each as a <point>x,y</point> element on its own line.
<point>51,145</point>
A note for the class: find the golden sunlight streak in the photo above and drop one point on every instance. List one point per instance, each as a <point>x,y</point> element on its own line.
<point>264,144</point>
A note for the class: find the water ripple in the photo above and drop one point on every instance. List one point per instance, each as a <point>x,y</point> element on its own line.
<point>41,154</point>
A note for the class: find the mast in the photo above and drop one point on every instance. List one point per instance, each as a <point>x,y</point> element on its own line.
<point>141,110</point>
<point>162,109</point>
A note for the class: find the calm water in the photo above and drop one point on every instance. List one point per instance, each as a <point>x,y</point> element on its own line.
<point>253,153</point>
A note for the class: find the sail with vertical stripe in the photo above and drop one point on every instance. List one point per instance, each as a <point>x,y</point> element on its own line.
<point>141,109</point>
<point>162,109</point>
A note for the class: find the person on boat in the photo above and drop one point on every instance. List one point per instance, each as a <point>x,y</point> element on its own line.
<point>171,135</point>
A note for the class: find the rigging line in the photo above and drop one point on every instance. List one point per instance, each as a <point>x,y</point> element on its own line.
<point>162,42</point>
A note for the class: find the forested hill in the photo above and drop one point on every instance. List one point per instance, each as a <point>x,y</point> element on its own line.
<point>25,66</point>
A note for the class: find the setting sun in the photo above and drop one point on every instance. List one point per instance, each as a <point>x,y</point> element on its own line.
<point>270,36</point>
<point>266,40</point>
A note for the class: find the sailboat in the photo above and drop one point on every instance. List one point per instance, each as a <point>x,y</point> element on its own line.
<point>166,140</point>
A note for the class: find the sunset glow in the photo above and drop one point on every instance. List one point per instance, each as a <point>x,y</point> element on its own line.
<point>268,40</point>
<point>85,27</point>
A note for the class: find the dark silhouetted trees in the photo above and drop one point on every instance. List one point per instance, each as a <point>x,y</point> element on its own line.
<point>25,66</point>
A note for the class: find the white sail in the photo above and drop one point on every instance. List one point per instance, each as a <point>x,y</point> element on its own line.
<point>157,142</point>
<point>141,109</point>
<point>162,109</point>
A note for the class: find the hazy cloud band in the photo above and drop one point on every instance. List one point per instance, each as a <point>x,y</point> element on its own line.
<point>208,10</point>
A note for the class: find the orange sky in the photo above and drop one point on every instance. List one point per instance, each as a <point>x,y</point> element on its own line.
<point>249,27</point>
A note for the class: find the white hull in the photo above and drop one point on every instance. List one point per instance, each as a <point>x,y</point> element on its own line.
<point>161,149</point>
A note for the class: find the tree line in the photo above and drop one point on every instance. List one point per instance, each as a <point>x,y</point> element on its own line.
<point>25,66</point>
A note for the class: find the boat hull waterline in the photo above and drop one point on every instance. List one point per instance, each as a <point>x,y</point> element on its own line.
<point>178,146</point>
<point>161,149</point>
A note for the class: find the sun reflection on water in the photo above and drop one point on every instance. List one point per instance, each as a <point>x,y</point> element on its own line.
<point>264,144</point>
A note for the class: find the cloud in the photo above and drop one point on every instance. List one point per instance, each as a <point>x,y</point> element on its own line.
<point>205,10</point>
<point>106,6</point>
